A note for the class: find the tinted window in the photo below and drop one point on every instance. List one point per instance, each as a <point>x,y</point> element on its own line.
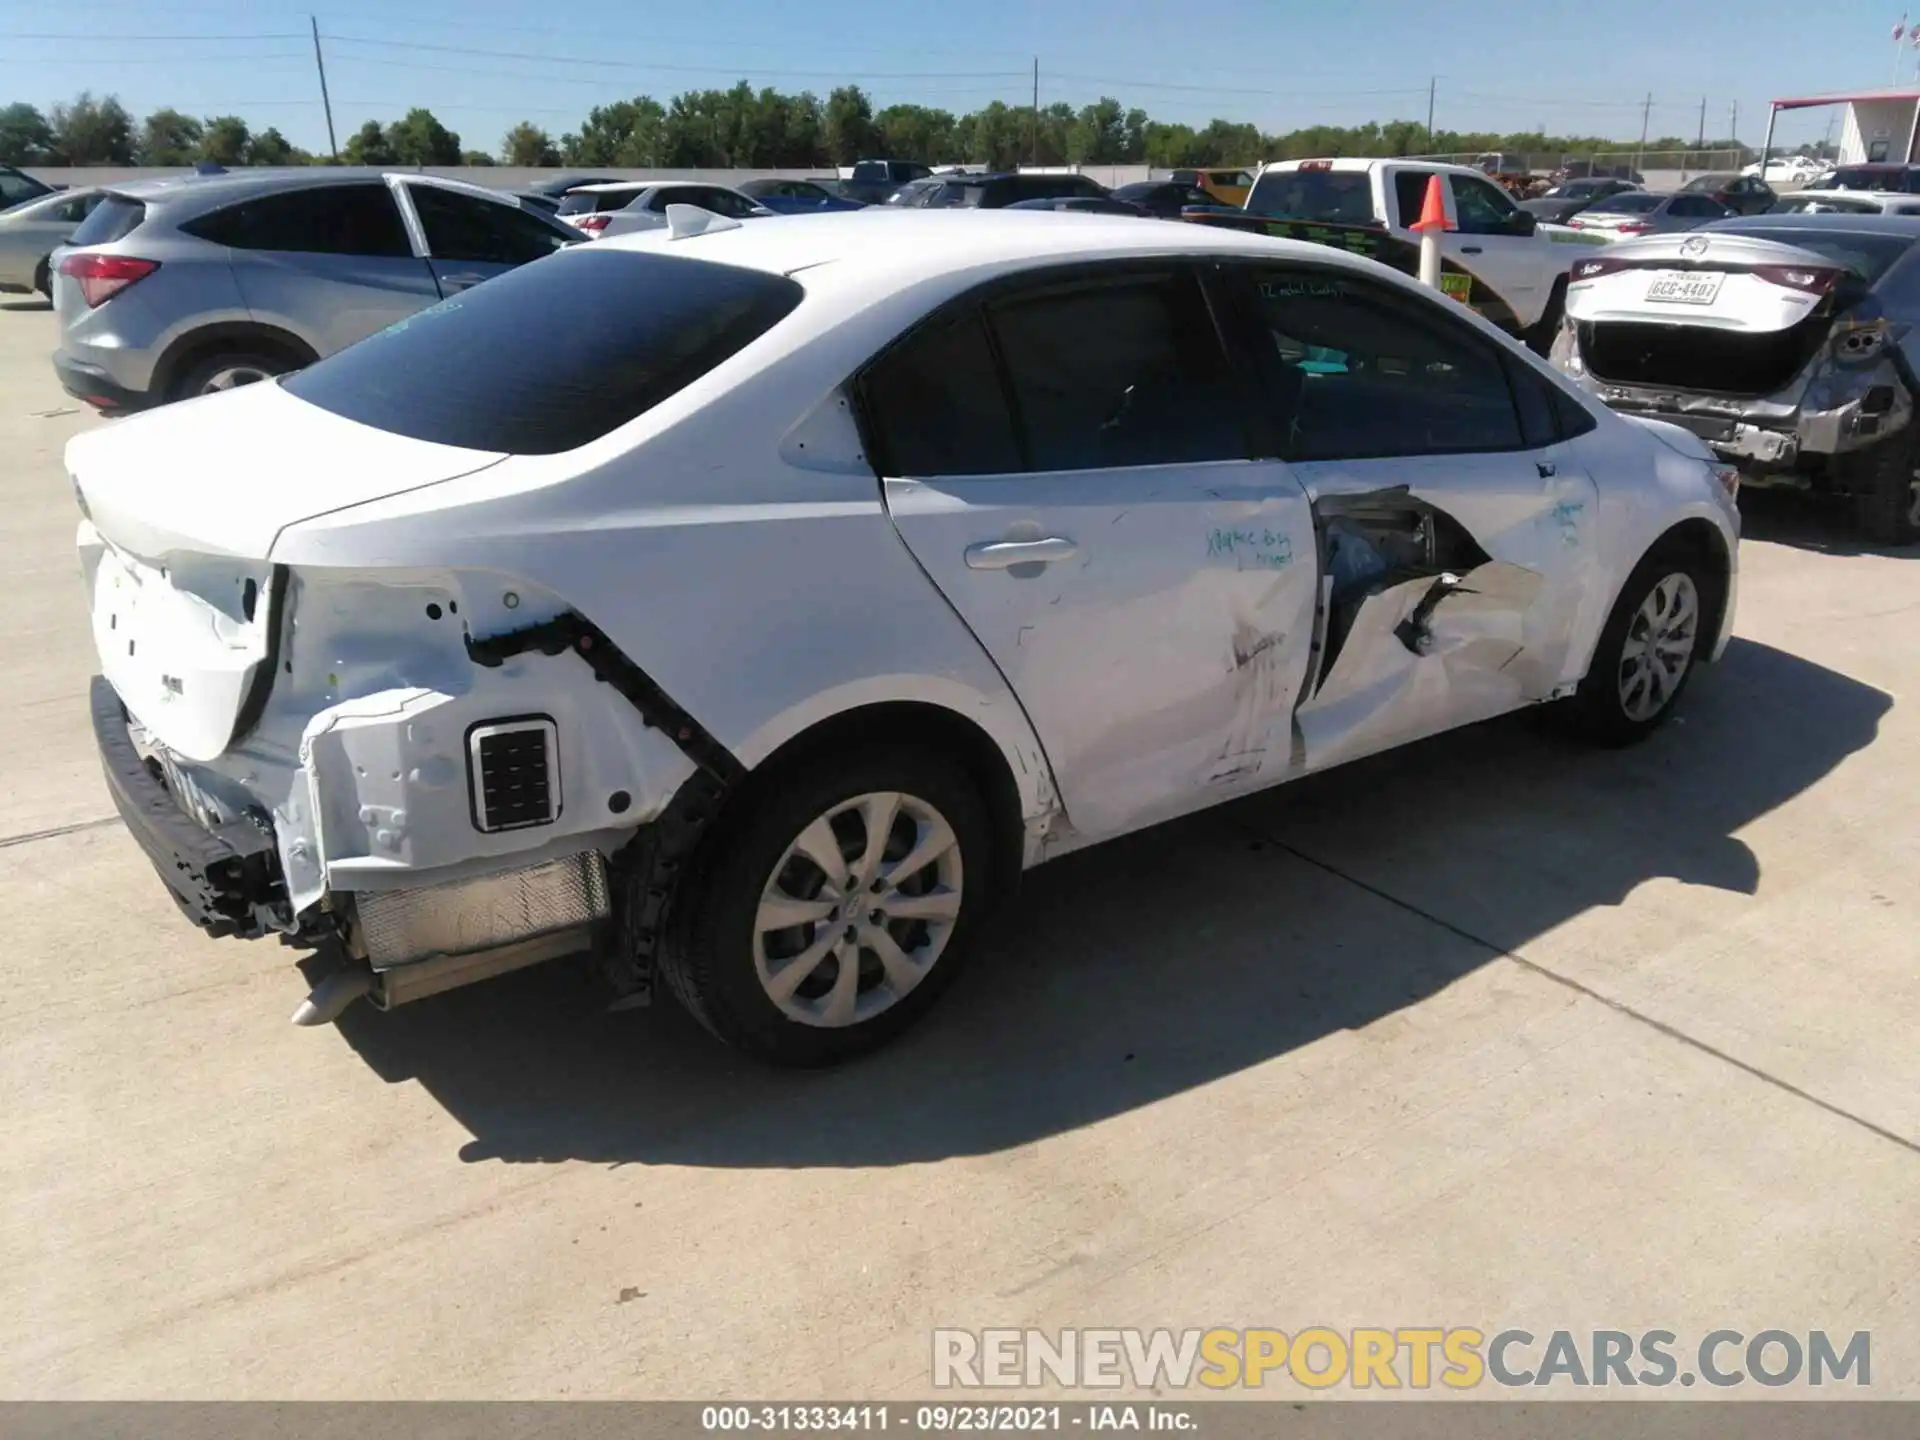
<point>1707,184</point>
<point>1480,208</point>
<point>550,356</point>
<point>1119,372</point>
<point>17,188</point>
<point>1572,418</point>
<point>1410,193</point>
<point>114,218</point>
<point>870,172</point>
<point>593,202</point>
<point>77,209</point>
<point>719,201</point>
<point>1365,372</point>
<point>1634,202</point>
<point>1867,256</point>
<point>936,404</point>
<point>316,220</point>
<point>1339,196</point>
<point>463,227</point>
<point>1694,207</point>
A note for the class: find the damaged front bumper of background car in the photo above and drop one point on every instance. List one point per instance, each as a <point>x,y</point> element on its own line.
<point>431,774</point>
<point>1856,392</point>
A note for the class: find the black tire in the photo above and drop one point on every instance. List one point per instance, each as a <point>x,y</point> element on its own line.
<point>202,374</point>
<point>43,278</point>
<point>1540,338</point>
<point>1598,711</point>
<point>1886,492</point>
<point>709,958</point>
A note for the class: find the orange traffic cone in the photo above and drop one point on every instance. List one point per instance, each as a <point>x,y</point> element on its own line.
<point>1433,210</point>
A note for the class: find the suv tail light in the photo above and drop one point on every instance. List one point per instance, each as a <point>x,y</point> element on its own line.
<point>592,224</point>
<point>102,277</point>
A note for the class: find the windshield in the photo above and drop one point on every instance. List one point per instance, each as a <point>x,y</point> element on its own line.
<point>1632,203</point>
<point>553,354</point>
<point>1338,196</point>
<point>1867,256</point>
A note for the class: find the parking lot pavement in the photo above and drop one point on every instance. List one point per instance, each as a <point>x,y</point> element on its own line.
<point>1487,1032</point>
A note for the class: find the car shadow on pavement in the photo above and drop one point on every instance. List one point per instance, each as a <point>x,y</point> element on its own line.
<point>1803,521</point>
<point>22,302</point>
<point>1161,962</point>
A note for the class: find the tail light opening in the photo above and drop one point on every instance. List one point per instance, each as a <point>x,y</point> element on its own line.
<point>592,224</point>
<point>101,277</point>
<point>1804,278</point>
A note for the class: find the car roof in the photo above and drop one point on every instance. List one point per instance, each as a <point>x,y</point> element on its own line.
<point>1907,225</point>
<point>616,187</point>
<point>891,250</point>
<point>217,190</point>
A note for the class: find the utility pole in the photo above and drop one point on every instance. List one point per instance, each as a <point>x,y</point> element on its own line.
<point>1646,116</point>
<point>1702,141</point>
<point>1033,121</point>
<point>320,64</point>
<point>1432,82</point>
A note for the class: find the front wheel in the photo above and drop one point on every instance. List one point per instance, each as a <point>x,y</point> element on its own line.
<point>1647,652</point>
<point>834,912</point>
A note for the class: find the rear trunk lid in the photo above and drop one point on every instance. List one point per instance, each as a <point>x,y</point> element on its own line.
<point>183,506</point>
<point>1740,313</point>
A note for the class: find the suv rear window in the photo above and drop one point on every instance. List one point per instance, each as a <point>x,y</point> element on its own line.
<point>1343,197</point>
<point>552,355</point>
<point>114,218</point>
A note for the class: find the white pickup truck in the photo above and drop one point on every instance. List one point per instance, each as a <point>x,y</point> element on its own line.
<point>1505,265</point>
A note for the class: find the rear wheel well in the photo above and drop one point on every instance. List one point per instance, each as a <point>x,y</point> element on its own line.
<point>240,337</point>
<point>913,723</point>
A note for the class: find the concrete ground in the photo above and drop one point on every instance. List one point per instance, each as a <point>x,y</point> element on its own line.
<point>1487,1032</point>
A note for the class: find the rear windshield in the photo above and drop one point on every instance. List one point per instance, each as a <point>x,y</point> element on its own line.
<point>869,172</point>
<point>551,355</point>
<point>114,218</point>
<point>589,202</point>
<point>1868,256</point>
<point>1822,205</point>
<point>1631,203</point>
<point>1338,196</point>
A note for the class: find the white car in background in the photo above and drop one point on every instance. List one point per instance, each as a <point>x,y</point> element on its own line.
<point>620,207</point>
<point>1791,169</point>
<point>30,233</point>
<point>757,602</point>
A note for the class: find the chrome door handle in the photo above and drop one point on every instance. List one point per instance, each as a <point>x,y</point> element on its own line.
<point>1470,249</point>
<point>1005,554</point>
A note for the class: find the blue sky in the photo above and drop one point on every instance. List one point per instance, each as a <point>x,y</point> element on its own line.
<point>1502,64</point>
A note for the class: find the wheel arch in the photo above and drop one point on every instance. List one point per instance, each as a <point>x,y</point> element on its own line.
<point>190,349</point>
<point>1705,541</point>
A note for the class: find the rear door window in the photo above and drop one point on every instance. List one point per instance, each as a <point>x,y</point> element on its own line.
<point>1119,371</point>
<point>465,227</point>
<point>314,220</point>
<point>936,405</point>
<point>551,356</point>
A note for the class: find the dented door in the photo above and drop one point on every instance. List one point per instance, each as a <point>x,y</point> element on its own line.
<point>1155,622</point>
<point>1454,526</point>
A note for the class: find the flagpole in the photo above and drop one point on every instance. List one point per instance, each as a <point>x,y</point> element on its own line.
<point>1898,31</point>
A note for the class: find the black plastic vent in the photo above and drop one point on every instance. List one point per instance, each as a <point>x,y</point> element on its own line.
<point>514,774</point>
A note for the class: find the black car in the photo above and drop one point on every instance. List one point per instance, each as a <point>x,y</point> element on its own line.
<point>1742,194</point>
<point>1885,179</point>
<point>996,192</point>
<point>1566,200</point>
<point>17,187</point>
<point>1082,204</point>
<point>873,182</point>
<point>1164,198</point>
<point>560,184</point>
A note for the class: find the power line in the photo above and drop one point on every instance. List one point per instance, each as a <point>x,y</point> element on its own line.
<point>696,69</point>
<point>95,38</point>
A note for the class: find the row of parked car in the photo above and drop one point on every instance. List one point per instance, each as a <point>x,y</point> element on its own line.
<point>1626,207</point>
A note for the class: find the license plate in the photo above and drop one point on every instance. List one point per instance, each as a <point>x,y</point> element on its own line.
<point>1676,287</point>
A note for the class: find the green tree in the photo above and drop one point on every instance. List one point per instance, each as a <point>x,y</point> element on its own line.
<point>626,133</point>
<point>25,136</point>
<point>92,132</point>
<point>369,145</point>
<point>526,144</point>
<point>1098,134</point>
<point>420,139</point>
<point>475,157</point>
<point>848,127</point>
<point>914,132</point>
<point>225,140</point>
<point>168,138</point>
<point>270,147</point>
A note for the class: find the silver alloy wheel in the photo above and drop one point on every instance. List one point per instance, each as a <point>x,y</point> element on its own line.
<point>1659,646</point>
<point>232,377</point>
<point>858,910</point>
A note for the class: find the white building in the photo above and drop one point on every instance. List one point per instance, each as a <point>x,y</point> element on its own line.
<point>1880,126</point>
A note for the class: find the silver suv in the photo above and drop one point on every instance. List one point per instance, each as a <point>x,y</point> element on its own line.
<point>178,287</point>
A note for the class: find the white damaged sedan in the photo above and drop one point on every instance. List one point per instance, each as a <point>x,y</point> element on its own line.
<point>752,604</point>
